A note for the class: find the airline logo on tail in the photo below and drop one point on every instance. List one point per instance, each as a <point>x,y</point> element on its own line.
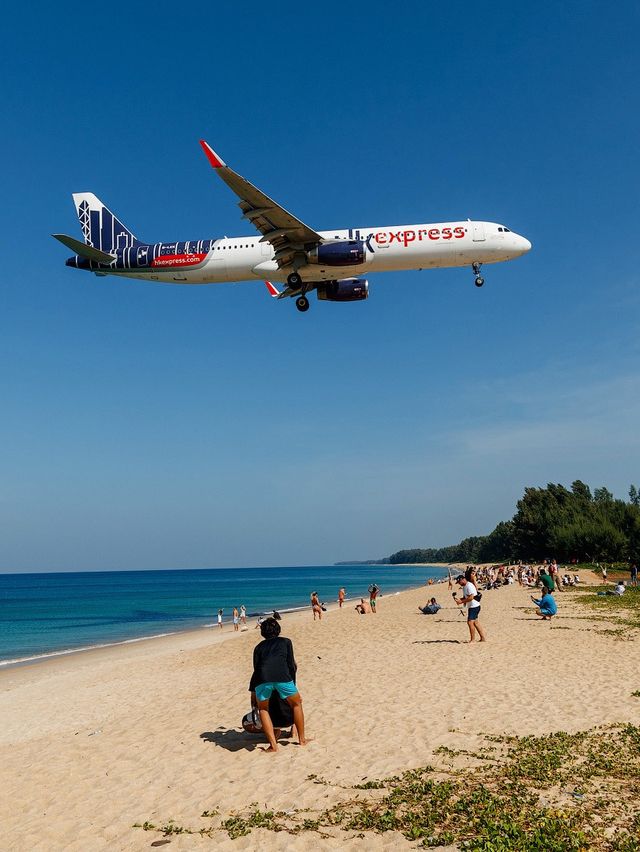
<point>100,228</point>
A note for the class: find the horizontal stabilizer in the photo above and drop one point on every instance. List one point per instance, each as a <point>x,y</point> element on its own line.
<point>84,250</point>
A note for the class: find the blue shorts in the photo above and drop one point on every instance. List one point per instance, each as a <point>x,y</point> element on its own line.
<point>473,612</point>
<point>284,689</point>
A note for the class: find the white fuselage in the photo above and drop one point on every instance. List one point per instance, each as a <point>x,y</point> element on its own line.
<point>388,248</point>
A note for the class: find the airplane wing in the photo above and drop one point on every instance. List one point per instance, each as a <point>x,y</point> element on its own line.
<point>288,235</point>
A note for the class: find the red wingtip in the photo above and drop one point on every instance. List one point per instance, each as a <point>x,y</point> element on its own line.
<point>213,158</point>
<point>273,290</point>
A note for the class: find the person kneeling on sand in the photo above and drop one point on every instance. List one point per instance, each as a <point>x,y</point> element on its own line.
<point>274,668</point>
<point>431,608</point>
<point>547,605</point>
<point>363,607</point>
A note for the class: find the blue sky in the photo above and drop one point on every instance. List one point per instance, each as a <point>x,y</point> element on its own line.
<point>149,426</point>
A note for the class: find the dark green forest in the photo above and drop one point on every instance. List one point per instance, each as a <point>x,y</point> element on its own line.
<point>551,523</point>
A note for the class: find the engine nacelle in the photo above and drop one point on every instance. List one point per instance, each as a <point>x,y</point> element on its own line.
<point>338,253</point>
<point>345,290</point>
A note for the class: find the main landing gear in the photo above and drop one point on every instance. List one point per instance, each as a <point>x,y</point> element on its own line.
<point>302,303</point>
<point>294,280</point>
<point>476,271</point>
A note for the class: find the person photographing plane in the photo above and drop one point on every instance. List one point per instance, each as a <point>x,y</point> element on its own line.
<point>470,599</point>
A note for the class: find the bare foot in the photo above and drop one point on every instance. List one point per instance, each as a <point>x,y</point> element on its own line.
<point>306,741</point>
<point>269,750</point>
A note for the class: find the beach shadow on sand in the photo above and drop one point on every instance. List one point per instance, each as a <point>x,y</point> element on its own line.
<point>437,642</point>
<point>231,740</point>
<point>234,740</point>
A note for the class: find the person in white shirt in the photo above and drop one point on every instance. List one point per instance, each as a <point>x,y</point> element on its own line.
<point>468,598</point>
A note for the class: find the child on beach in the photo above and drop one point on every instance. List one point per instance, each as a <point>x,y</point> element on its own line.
<point>236,618</point>
<point>220,619</point>
<point>374,591</point>
<point>274,668</point>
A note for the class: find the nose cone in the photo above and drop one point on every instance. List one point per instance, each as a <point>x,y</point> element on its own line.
<point>521,245</point>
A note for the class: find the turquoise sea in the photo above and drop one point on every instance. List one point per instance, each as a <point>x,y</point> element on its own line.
<point>43,614</point>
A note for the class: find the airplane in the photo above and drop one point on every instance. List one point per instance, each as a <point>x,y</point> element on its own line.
<point>284,249</point>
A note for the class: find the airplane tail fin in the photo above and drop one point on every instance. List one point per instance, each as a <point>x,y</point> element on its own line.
<point>100,228</point>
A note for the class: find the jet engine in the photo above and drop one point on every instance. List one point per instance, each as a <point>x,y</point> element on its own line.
<point>338,253</point>
<point>345,290</point>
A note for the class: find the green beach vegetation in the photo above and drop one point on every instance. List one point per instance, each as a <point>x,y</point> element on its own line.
<point>570,525</point>
<point>555,793</point>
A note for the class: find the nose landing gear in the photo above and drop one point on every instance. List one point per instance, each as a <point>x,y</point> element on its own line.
<point>476,271</point>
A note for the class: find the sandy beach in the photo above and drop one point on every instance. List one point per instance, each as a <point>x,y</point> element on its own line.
<point>95,742</point>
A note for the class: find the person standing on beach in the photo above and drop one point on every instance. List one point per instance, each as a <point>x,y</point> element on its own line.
<point>469,593</point>
<point>341,597</point>
<point>274,668</point>
<point>220,618</point>
<point>604,573</point>
<point>634,573</point>
<point>374,591</point>
<point>236,618</point>
<point>243,615</point>
<point>316,606</point>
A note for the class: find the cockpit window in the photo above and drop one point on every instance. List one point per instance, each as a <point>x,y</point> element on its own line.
<point>500,229</point>
<point>506,230</point>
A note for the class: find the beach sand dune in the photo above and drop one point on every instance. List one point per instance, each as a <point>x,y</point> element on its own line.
<point>92,743</point>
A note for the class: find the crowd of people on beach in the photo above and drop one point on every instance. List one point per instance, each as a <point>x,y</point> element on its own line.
<point>275,699</point>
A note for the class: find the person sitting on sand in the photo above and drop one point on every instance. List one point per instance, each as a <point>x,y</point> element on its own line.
<point>431,608</point>
<point>316,606</point>
<point>547,606</point>
<point>620,589</point>
<point>363,607</point>
<point>280,712</point>
<point>274,668</point>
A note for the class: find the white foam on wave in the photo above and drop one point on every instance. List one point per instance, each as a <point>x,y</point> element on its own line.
<point>20,660</point>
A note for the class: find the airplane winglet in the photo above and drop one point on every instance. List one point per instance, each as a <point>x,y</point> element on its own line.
<point>211,155</point>
<point>273,290</point>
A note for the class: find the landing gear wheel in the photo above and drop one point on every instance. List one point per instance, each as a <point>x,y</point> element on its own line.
<point>294,280</point>
<point>302,303</point>
<point>479,281</point>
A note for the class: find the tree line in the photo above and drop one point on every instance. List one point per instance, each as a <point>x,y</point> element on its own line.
<point>551,523</point>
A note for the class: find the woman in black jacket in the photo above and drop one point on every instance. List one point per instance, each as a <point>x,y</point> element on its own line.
<point>274,668</point>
